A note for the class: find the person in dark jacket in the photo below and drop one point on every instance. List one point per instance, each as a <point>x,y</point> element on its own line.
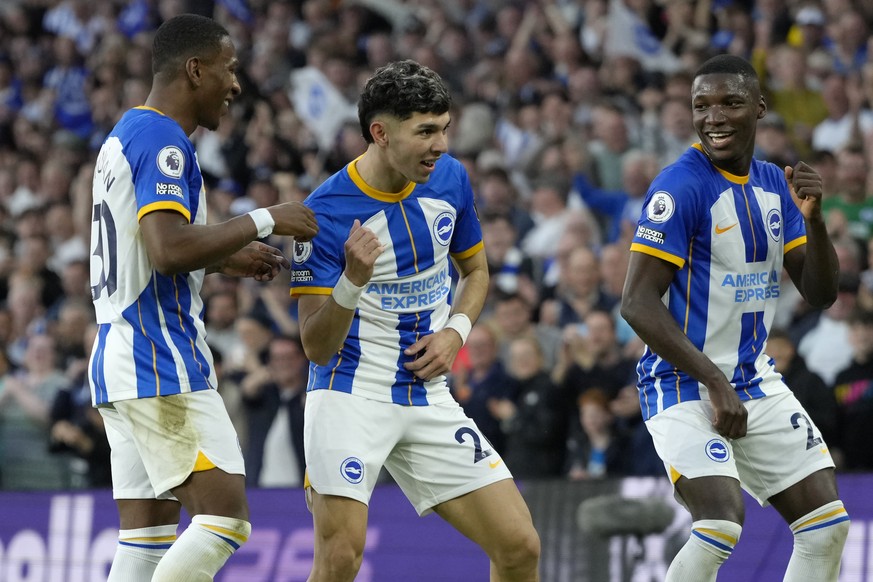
<point>534,421</point>
<point>595,447</point>
<point>273,397</point>
<point>853,389</point>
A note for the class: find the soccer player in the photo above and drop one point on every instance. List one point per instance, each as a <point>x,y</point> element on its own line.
<point>704,279</point>
<point>151,371</point>
<point>380,333</point>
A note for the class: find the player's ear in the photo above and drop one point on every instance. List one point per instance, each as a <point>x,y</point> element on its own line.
<point>192,69</point>
<point>379,131</point>
<point>762,108</point>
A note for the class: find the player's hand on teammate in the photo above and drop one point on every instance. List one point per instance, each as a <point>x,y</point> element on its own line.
<point>257,260</point>
<point>730,417</point>
<point>362,248</point>
<point>294,219</point>
<point>804,183</point>
<point>434,354</point>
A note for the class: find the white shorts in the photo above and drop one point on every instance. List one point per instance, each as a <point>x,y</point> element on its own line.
<point>156,442</point>
<point>435,453</point>
<point>782,446</point>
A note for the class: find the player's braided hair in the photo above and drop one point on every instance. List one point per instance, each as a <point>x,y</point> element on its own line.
<point>183,37</point>
<point>401,89</point>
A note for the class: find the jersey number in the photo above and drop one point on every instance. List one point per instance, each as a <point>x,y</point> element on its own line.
<point>478,453</point>
<point>811,440</point>
<point>105,251</point>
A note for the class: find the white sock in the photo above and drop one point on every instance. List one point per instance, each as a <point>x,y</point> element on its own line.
<point>710,544</point>
<point>139,551</point>
<point>202,549</point>
<point>819,537</point>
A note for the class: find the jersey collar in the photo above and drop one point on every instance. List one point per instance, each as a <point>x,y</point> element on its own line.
<point>727,175</point>
<point>372,192</point>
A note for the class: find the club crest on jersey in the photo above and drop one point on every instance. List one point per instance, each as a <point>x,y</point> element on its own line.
<point>661,207</point>
<point>171,162</point>
<point>774,224</point>
<point>718,451</point>
<point>352,470</point>
<point>443,227</point>
<point>301,252</point>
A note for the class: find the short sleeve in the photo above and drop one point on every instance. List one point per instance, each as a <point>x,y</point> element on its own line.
<point>669,218</point>
<point>795,227</point>
<point>467,235</point>
<point>164,171</point>
<point>316,265</point>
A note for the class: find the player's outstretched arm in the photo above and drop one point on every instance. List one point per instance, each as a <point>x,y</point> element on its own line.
<point>647,281</point>
<point>257,260</point>
<point>176,246</point>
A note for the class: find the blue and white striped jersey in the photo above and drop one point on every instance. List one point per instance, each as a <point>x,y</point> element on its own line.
<point>408,295</point>
<point>151,338</point>
<point>727,235</point>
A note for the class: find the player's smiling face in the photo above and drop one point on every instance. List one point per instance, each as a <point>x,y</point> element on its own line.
<point>415,144</point>
<point>726,110</point>
<point>219,85</point>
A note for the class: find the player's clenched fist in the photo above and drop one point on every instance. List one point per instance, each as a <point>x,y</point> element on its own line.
<point>362,248</point>
<point>805,186</point>
<point>294,219</point>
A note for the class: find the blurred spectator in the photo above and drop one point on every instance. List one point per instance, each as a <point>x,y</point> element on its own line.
<point>222,310</point>
<point>853,389</point>
<point>849,37</point>
<point>510,270</point>
<point>580,230</point>
<point>479,379</point>
<point>255,331</point>
<point>535,419</point>
<point>611,143</point>
<point>25,405</point>
<point>772,142</point>
<point>27,314</point>
<point>513,319</point>
<point>578,291</point>
<point>825,163</point>
<point>548,210</point>
<point>231,393</point>
<point>850,211</point>
<point>66,243</point>
<point>77,427</point>
<point>846,122</point>
<point>826,347</point>
<point>591,358</point>
<point>273,397</point>
<point>595,449</point>
<point>620,209</point>
<point>69,330</point>
<point>65,85</point>
<point>783,74</point>
<point>496,193</point>
<point>672,133</point>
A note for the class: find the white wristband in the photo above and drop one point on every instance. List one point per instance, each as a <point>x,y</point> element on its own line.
<point>461,324</point>
<point>263,221</point>
<point>346,294</point>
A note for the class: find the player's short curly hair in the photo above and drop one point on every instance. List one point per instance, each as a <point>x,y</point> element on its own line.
<point>401,89</point>
<point>729,65</point>
<point>182,37</point>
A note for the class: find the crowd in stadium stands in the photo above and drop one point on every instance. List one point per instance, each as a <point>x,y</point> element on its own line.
<point>564,111</point>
